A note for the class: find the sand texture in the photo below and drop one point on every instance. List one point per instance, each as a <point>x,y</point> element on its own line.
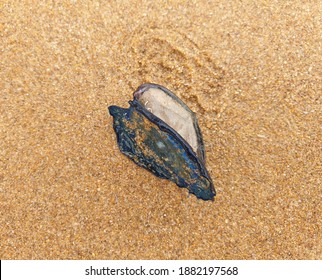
<point>250,70</point>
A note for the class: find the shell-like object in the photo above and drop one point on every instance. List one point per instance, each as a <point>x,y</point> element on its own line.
<point>160,133</point>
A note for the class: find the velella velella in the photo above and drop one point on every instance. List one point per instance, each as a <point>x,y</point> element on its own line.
<point>160,133</point>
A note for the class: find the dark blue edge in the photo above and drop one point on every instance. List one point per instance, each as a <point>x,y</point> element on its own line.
<point>166,128</point>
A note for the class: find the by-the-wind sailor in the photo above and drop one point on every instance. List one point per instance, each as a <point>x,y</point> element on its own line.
<point>160,133</point>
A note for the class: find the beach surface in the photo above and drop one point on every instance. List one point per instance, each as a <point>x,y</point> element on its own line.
<point>250,70</point>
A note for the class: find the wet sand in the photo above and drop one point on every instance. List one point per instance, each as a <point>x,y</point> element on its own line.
<point>250,71</point>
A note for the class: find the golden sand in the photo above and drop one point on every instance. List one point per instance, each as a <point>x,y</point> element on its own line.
<point>251,70</point>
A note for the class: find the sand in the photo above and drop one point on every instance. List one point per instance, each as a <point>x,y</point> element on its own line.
<point>251,70</point>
